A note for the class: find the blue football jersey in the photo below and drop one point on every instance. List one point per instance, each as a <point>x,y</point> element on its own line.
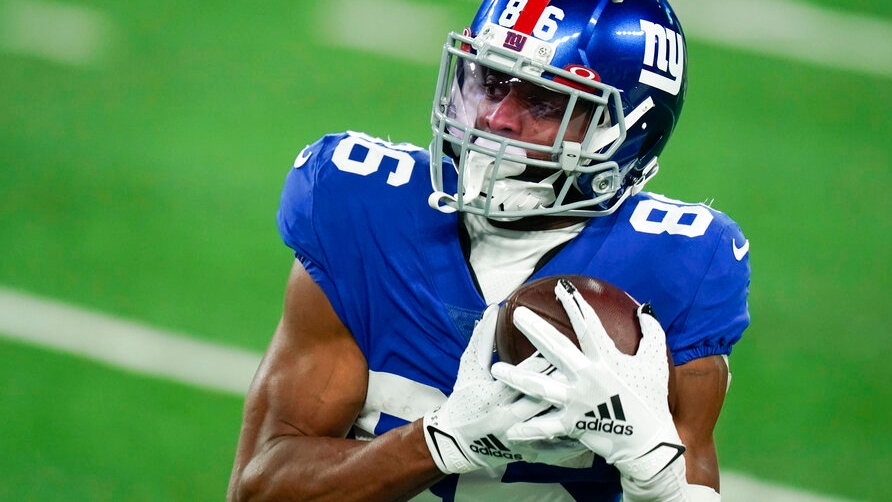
<point>355,211</point>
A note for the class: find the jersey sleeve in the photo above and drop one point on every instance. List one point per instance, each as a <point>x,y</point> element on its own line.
<point>298,218</point>
<point>719,312</point>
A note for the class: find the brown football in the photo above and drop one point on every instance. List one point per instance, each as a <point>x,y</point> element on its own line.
<point>616,309</point>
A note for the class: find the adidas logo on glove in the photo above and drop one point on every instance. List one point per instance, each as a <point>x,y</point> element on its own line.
<point>490,446</point>
<point>604,422</point>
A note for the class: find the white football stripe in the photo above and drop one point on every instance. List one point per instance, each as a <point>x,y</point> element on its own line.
<point>145,350</point>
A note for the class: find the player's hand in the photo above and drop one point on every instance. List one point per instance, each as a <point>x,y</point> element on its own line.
<point>468,431</point>
<point>616,404</point>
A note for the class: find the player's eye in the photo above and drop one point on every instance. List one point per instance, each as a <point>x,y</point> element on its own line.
<point>495,88</point>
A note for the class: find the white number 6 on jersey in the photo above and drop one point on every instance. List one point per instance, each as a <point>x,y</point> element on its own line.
<point>376,153</point>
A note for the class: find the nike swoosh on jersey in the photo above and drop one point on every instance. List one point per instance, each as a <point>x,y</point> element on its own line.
<point>302,157</point>
<point>740,252</point>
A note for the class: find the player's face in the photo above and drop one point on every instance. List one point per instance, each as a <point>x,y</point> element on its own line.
<point>522,111</point>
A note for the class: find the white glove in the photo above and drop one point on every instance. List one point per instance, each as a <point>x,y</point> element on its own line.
<point>616,404</point>
<point>467,431</point>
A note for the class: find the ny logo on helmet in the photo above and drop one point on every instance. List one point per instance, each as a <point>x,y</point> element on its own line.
<point>514,41</point>
<point>663,51</point>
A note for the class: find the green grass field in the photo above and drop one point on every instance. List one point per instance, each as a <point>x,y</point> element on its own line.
<point>144,185</point>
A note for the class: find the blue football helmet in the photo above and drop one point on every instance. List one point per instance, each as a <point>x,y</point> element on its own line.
<point>555,107</point>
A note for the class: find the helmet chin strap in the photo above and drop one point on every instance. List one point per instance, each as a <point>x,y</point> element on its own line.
<point>479,167</point>
<point>517,195</point>
<point>508,194</point>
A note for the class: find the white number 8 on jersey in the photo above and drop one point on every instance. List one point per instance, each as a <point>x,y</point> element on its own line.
<point>655,217</point>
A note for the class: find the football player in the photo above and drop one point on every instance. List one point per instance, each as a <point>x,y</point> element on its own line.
<point>379,382</point>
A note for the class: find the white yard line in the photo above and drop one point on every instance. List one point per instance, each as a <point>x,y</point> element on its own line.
<point>57,32</point>
<point>125,344</point>
<point>737,487</point>
<point>397,29</point>
<point>138,348</point>
<point>792,30</point>
<point>410,31</point>
<point>402,29</point>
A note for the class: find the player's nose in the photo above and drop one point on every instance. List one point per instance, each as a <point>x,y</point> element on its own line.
<point>506,116</point>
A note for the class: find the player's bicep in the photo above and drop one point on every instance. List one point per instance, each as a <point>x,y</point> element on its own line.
<point>313,378</point>
<point>700,387</point>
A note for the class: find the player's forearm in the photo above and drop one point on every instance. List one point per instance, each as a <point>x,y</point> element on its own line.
<point>702,465</point>
<point>394,466</point>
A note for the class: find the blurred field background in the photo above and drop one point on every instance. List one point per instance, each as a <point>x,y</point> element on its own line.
<point>144,144</point>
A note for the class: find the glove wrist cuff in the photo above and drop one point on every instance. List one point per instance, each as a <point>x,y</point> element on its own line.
<point>651,463</point>
<point>668,485</point>
<point>445,448</point>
